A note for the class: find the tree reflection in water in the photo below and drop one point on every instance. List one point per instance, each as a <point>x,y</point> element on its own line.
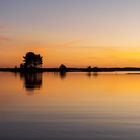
<point>62,74</point>
<point>32,80</point>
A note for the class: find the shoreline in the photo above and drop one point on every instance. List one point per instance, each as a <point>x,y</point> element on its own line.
<point>117,69</point>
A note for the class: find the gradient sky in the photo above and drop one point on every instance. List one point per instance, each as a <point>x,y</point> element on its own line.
<point>102,33</point>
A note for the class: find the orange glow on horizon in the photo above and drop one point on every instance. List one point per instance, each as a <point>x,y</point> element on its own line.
<point>71,53</point>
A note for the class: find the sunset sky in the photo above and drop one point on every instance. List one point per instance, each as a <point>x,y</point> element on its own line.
<point>103,33</point>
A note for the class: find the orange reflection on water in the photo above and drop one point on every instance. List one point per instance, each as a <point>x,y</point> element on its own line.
<point>75,89</point>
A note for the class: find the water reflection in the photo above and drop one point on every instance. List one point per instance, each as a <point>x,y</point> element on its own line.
<point>95,73</point>
<point>62,74</point>
<point>106,107</point>
<point>32,80</point>
<point>89,74</point>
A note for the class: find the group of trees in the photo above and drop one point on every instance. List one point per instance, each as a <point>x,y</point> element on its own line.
<point>32,60</point>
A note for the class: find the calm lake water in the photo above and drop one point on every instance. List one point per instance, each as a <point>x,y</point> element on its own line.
<point>69,106</point>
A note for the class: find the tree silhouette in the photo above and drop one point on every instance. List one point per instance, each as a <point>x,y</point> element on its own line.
<point>89,68</point>
<point>62,68</point>
<point>32,60</point>
<point>32,80</point>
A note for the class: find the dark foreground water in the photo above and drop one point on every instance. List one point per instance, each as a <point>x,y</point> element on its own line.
<point>72,106</point>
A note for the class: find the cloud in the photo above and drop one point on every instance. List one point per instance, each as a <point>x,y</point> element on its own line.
<point>3,31</point>
<point>71,43</point>
<point>65,44</point>
<point>2,28</point>
<point>4,38</point>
